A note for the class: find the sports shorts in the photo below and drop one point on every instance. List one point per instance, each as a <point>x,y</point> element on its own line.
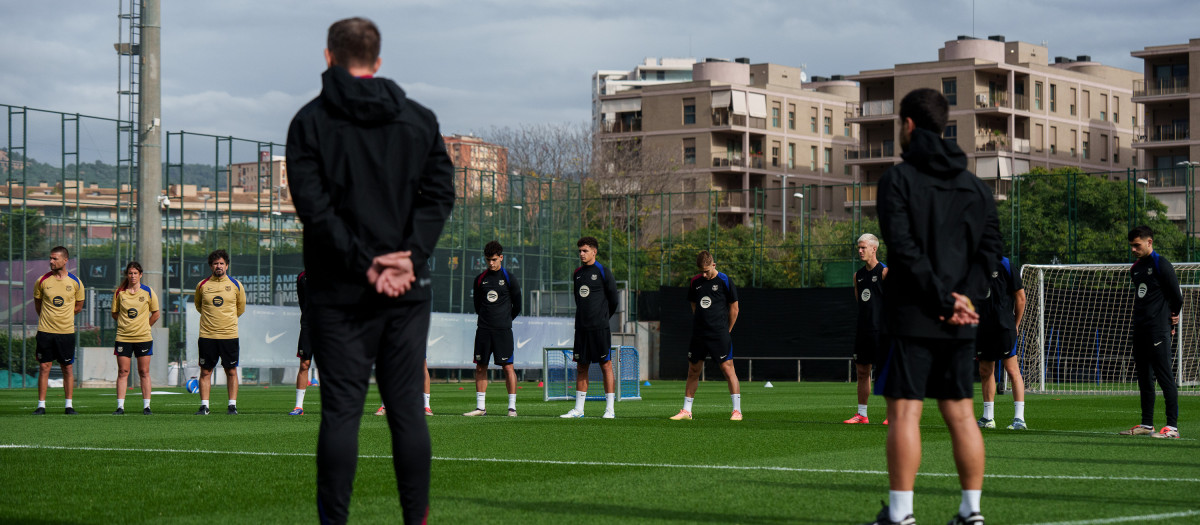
<point>720,348</point>
<point>870,347</point>
<point>55,347</point>
<point>496,342</point>
<point>592,346</point>
<point>304,344</point>
<point>127,349</point>
<point>917,368</point>
<point>226,350</point>
<point>995,345</point>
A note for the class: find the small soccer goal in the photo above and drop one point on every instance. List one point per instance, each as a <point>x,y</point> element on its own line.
<point>1076,334</point>
<point>559,372</point>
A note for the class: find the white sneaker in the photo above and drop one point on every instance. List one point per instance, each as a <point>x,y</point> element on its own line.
<point>572,414</point>
<point>608,414</point>
<point>476,412</point>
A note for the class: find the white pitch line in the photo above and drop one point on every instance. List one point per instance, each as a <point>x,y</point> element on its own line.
<point>611,464</point>
<point>1128,518</point>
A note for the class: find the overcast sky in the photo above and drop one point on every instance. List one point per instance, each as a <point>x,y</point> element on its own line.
<point>243,68</point>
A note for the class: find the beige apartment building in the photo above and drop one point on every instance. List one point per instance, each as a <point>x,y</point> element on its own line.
<point>1011,109</point>
<point>1169,137</point>
<point>755,134</point>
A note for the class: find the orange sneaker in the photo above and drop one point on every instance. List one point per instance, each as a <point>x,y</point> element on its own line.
<point>683,414</point>
<point>885,422</point>
<point>736,415</point>
<point>428,411</point>
<point>382,411</point>
<point>858,419</point>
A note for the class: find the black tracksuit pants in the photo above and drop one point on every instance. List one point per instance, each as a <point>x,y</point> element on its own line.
<point>347,341</point>
<point>1153,362</point>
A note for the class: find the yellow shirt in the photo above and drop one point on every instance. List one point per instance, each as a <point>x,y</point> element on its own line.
<point>134,308</point>
<point>220,301</point>
<point>58,297</point>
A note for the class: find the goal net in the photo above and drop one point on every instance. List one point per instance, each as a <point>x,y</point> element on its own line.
<point>1076,334</point>
<point>559,372</point>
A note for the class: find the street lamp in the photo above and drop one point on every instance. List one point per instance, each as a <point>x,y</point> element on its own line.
<point>1146,184</point>
<point>800,196</point>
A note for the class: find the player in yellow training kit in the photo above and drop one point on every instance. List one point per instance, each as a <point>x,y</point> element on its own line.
<point>57,297</point>
<point>221,299</point>
<point>135,308</point>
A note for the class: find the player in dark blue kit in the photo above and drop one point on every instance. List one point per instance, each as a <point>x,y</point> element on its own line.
<point>714,303</point>
<point>999,316</point>
<point>595,302</point>
<point>871,344</point>
<point>497,301</point>
<point>303,345</point>
<point>1156,304</point>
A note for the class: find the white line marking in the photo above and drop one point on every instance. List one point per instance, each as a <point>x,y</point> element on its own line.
<point>610,464</point>
<point>1128,518</point>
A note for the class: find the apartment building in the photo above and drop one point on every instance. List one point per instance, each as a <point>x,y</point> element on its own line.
<point>755,134</point>
<point>251,175</point>
<point>1169,137</point>
<point>483,166</point>
<point>1011,109</point>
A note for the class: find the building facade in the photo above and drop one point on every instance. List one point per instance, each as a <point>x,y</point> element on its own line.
<point>1169,137</point>
<point>484,166</point>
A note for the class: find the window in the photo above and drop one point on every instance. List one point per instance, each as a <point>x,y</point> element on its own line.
<point>812,119</point>
<point>1087,137</point>
<point>1053,139</point>
<point>689,151</point>
<point>689,111</point>
<point>775,111</point>
<point>1037,96</point>
<point>791,160</point>
<point>846,170</point>
<point>951,131</point>
<point>950,89</point>
<point>846,128</point>
<point>1085,104</point>
<point>1104,106</point>
<point>791,116</point>
<point>829,122</point>
<point>1116,149</point>
<point>1116,110</point>
<point>1074,141</point>
<point>812,159</point>
<point>1074,97</point>
<point>828,159</point>
<point>1103,147</point>
<point>1053,98</point>
<point>1039,132</point>
<point>774,154</point>
<point>660,75</point>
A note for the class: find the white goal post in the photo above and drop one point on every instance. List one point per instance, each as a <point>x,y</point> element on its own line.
<point>1076,333</point>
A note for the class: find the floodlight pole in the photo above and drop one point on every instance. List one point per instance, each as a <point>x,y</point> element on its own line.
<point>149,214</point>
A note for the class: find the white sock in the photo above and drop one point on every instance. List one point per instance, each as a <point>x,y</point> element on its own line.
<point>989,409</point>
<point>41,403</point>
<point>426,400</point>
<point>737,401</point>
<point>145,403</point>
<point>580,397</point>
<point>862,410</point>
<point>480,398</point>
<point>300,397</point>
<point>232,402</point>
<point>204,402</point>
<point>970,502</point>
<point>1019,409</point>
<point>900,504</point>
<point>121,404</point>
<point>68,402</point>
<point>609,399</point>
<point>512,401</point>
<point>687,403</point>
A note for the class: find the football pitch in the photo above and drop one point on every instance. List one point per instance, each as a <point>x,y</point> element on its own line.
<point>790,461</point>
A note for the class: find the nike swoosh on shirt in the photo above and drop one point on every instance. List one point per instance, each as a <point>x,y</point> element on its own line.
<point>273,338</point>
<point>435,341</point>
<point>521,344</point>
<point>1158,343</point>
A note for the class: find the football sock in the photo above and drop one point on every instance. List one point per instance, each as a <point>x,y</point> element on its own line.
<point>426,400</point>
<point>145,403</point>
<point>41,403</point>
<point>900,504</point>
<point>608,402</point>
<point>68,402</point>
<point>300,397</point>
<point>989,409</point>
<point>862,410</point>
<point>204,402</point>
<point>512,401</point>
<point>1019,407</point>
<point>232,402</point>
<point>970,502</point>
<point>687,403</point>
<point>121,404</point>
<point>737,401</point>
<point>580,397</point>
<point>480,398</point>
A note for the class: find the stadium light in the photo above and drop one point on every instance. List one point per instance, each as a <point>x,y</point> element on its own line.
<point>800,196</point>
<point>1146,183</point>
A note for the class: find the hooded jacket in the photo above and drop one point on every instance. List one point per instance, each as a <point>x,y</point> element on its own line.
<point>939,222</point>
<point>369,175</point>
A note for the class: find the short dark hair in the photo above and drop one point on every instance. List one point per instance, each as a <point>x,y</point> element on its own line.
<point>353,42</point>
<point>62,250</point>
<point>590,241</point>
<point>218,254</point>
<point>492,248</point>
<point>927,108</point>
<point>703,259</point>
<point>1141,232</point>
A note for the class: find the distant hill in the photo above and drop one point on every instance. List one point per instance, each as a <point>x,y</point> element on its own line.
<point>104,174</point>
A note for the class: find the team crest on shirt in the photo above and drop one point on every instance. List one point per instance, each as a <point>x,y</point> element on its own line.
<point>227,288</point>
<point>705,302</point>
<point>58,301</point>
<point>492,296</point>
<point>584,291</point>
<point>501,282</point>
<point>714,287</point>
<point>132,313</point>
<point>874,278</point>
<point>995,274</point>
<point>1149,271</point>
<point>594,277</point>
<point>69,288</point>
<point>866,295</point>
<point>1142,290</point>
<point>218,301</point>
<point>141,299</point>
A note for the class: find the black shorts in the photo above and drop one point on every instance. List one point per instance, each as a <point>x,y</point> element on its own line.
<point>592,346</point>
<point>995,345</point>
<point>720,348</point>
<point>917,368</point>
<point>497,343</point>
<point>304,345</point>
<point>212,349</point>
<point>871,347</point>
<point>55,347</point>
<point>126,349</point>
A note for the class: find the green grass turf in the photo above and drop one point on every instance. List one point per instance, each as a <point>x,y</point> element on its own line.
<point>622,474</point>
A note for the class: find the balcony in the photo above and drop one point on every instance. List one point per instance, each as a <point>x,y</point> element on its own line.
<point>738,161</point>
<point>1160,87</point>
<point>1164,133</point>
<point>987,100</point>
<point>867,195</point>
<point>724,118</point>
<point>878,151</point>
<point>870,110</point>
<point>624,124</point>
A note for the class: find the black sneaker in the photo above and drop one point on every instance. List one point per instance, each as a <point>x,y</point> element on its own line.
<point>119,412</point>
<point>883,518</point>
<point>146,412</point>
<point>974,519</point>
<point>232,410</point>
<point>203,411</point>
<point>70,411</point>
<point>41,411</point>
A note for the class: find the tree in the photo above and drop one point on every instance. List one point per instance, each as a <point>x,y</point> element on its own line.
<point>22,235</point>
